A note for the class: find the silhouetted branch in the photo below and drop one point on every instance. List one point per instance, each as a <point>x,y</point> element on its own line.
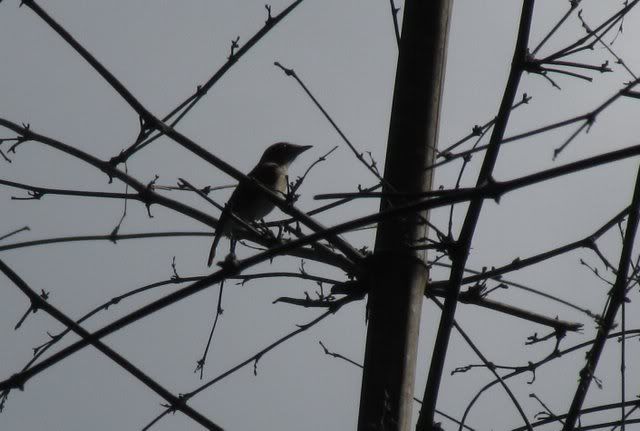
<point>617,296</point>
<point>15,232</point>
<point>460,253</point>
<point>253,358</point>
<point>352,362</point>
<point>37,193</point>
<point>573,4</point>
<point>518,263</point>
<point>184,107</point>
<point>509,283</point>
<point>489,366</point>
<point>149,119</point>
<point>371,166</point>
<point>203,360</point>
<point>587,410</point>
<point>606,46</point>
<point>18,381</point>
<point>533,366</point>
<point>479,130</point>
<point>606,25</point>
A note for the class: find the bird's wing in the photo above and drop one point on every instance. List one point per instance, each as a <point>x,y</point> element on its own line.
<point>247,201</point>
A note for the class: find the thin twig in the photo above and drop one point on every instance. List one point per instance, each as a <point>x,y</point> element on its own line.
<point>17,231</point>
<point>370,166</point>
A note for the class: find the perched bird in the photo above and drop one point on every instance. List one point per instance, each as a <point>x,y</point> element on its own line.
<point>247,201</point>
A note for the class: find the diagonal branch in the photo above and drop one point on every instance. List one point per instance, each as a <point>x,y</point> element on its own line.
<point>257,356</point>
<point>460,251</point>
<point>176,402</point>
<point>184,107</point>
<point>359,155</point>
<point>616,297</point>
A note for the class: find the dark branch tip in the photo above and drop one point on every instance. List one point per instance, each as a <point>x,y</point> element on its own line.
<point>269,17</point>
<point>287,71</point>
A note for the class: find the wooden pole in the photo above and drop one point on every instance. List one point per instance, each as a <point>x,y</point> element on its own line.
<point>398,273</point>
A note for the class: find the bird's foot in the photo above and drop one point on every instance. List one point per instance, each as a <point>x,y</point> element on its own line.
<point>229,263</point>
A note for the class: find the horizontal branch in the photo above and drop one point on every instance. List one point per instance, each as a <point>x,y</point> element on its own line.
<point>38,192</point>
<point>593,409</point>
<point>304,253</point>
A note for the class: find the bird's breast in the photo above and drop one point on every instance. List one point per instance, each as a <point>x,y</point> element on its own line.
<point>249,202</point>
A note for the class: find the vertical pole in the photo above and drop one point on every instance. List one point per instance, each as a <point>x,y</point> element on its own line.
<point>398,273</point>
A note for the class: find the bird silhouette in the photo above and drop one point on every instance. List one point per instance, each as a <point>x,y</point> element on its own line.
<point>247,201</point>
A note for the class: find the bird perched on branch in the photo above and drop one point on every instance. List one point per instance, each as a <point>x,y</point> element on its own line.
<point>248,202</point>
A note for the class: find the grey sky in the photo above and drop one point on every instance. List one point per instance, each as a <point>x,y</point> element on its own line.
<point>345,52</point>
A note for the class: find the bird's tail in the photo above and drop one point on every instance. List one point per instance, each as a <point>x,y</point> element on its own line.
<point>214,245</point>
<point>216,239</point>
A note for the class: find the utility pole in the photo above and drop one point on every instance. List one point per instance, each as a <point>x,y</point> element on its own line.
<point>398,273</point>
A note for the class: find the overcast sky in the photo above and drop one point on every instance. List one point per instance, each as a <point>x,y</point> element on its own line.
<point>345,52</point>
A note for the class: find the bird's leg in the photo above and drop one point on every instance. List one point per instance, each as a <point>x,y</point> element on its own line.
<point>262,225</point>
<point>232,246</point>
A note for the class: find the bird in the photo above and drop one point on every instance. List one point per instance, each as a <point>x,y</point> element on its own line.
<point>247,201</point>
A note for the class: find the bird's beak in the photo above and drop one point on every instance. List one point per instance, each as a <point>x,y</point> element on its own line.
<point>299,149</point>
<point>303,148</point>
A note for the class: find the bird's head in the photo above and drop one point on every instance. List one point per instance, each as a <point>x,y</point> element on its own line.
<point>282,153</point>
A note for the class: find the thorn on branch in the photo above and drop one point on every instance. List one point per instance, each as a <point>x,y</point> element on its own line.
<point>175,275</point>
<point>4,156</point>
<point>463,369</point>
<point>18,141</point>
<point>44,295</point>
<point>113,236</point>
<point>144,126</point>
<point>234,47</point>
<point>534,339</point>
<point>269,17</point>
<point>255,365</point>
<point>146,195</point>
<point>199,365</point>
<point>33,195</point>
<point>532,369</point>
